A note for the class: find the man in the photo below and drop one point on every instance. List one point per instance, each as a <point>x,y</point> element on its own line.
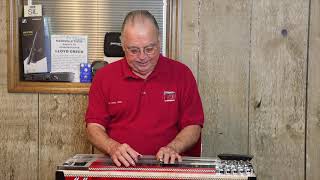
<point>144,104</point>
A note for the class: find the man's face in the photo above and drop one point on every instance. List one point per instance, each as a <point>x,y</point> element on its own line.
<point>141,45</point>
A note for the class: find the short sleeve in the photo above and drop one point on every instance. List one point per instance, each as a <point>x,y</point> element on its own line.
<point>97,107</point>
<point>191,105</point>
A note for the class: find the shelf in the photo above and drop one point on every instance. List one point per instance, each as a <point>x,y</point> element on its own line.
<point>50,87</point>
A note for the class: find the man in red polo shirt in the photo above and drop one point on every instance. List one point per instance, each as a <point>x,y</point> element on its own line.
<point>145,103</point>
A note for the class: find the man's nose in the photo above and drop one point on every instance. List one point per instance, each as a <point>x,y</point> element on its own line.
<point>142,54</point>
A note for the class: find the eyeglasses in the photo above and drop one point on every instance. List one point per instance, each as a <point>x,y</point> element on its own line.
<point>148,50</point>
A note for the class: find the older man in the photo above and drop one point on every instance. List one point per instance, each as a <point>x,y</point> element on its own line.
<point>145,103</point>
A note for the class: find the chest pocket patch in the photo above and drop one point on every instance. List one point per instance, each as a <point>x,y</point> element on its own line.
<point>169,96</point>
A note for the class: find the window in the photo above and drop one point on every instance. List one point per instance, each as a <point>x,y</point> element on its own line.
<point>96,17</point>
<point>86,17</point>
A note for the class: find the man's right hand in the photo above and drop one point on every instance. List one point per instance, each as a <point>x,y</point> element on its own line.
<point>123,154</point>
<point>119,153</point>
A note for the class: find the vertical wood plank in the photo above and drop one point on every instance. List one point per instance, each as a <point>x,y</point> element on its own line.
<point>223,74</point>
<point>278,87</point>
<point>3,47</point>
<point>19,122</point>
<point>18,135</point>
<point>313,116</point>
<point>62,131</point>
<point>190,35</point>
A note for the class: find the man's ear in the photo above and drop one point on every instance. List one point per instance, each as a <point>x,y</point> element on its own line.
<point>121,40</point>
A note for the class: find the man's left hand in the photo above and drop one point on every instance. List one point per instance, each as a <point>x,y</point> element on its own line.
<point>168,154</point>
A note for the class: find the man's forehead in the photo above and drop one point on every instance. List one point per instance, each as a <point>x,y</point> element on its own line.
<point>139,31</point>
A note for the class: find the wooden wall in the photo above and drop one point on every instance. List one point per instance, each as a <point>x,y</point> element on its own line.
<point>256,62</point>
<point>257,67</point>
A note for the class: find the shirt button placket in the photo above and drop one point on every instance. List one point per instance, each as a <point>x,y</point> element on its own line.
<point>143,90</point>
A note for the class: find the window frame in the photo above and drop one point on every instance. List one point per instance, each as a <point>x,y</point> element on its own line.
<point>16,84</point>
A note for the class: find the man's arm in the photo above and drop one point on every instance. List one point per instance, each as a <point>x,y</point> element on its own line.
<point>119,153</point>
<point>184,140</point>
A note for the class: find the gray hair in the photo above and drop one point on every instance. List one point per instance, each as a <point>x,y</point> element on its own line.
<point>139,15</point>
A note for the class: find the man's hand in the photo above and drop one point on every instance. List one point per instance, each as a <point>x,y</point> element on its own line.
<point>119,153</point>
<point>168,154</point>
<point>185,139</point>
<point>123,154</point>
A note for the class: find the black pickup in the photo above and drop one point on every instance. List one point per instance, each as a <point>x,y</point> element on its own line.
<point>237,157</point>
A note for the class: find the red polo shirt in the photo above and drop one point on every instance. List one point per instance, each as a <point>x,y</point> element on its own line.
<point>145,113</point>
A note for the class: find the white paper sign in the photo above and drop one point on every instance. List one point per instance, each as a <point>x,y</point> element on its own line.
<point>33,10</point>
<point>67,52</point>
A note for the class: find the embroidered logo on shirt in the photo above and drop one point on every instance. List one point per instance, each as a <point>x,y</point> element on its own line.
<point>115,102</point>
<point>169,96</point>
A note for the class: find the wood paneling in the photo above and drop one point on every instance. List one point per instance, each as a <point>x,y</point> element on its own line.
<point>313,116</point>
<point>223,74</point>
<point>62,130</point>
<point>278,87</point>
<point>18,135</point>
<point>190,43</point>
